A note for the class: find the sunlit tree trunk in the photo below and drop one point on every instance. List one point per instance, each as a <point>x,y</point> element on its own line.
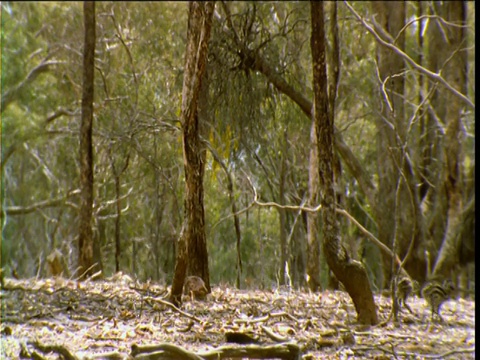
<point>282,278</point>
<point>350,272</point>
<point>85,239</point>
<point>313,252</point>
<point>191,246</point>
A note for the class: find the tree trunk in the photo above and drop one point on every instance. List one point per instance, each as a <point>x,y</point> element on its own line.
<point>118,205</point>
<point>192,247</point>
<point>284,256</point>
<point>433,135</point>
<point>401,225</point>
<point>453,178</point>
<point>85,239</point>
<point>313,252</point>
<point>350,272</point>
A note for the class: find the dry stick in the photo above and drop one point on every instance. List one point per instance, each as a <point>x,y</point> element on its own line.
<point>88,269</point>
<point>170,305</point>
<point>59,349</point>
<point>266,317</point>
<point>168,351</point>
<point>255,201</point>
<point>430,74</point>
<point>113,355</point>
<point>278,351</point>
<point>369,235</point>
<point>275,337</point>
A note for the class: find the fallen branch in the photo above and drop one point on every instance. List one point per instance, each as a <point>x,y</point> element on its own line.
<point>59,349</point>
<point>162,351</point>
<point>170,305</point>
<point>280,351</point>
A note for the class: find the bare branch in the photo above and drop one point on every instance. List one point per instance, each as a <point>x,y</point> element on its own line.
<point>369,235</point>
<point>12,94</point>
<point>441,19</point>
<point>58,113</point>
<point>105,204</point>
<point>408,59</point>
<point>22,210</point>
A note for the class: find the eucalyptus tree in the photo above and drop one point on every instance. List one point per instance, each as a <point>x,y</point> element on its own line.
<point>38,164</point>
<point>397,201</point>
<point>349,271</point>
<point>452,178</point>
<point>191,245</point>
<point>85,237</point>
<point>425,166</point>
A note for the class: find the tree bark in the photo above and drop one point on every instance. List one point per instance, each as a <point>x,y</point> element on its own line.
<point>85,239</point>
<point>453,177</point>
<point>313,241</point>
<point>284,253</point>
<point>191,246</point>
<point>395,230</point>
<point>350,272</point>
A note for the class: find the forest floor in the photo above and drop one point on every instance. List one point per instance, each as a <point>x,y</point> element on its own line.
<point>64,319</point>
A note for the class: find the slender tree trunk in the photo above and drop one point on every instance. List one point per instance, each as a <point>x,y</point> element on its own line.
<point>453,177</point>
<point>313,252</point>
<point>350,272</point>
<point>432,138</point>
<point>395,231</point>
<point>85,239</point>
<point>191,246</point>
<point>283,215</point>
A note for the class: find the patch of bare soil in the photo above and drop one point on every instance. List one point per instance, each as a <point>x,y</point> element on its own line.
<point>63,319</point>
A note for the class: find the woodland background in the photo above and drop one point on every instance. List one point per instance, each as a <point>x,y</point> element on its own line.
<point>408,177</point>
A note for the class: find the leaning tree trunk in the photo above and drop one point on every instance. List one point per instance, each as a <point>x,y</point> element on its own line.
<point>350,272</point>
<point>191,246</point>
<point>85,238</point>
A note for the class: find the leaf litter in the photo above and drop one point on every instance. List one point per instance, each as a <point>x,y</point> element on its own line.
<point>119,318</point>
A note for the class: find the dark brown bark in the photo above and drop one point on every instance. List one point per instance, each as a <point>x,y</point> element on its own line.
<point>85,239</point>
<point>350,272</point>
<point>118,206</point>
<point>191,247</point>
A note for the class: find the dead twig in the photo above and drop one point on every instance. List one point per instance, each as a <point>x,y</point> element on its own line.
<point>433,76</point>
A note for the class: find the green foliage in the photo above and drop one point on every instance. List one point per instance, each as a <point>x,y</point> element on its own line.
<point>255,129</point>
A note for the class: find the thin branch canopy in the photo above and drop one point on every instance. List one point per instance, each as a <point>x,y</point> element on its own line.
<point>425,71</point>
